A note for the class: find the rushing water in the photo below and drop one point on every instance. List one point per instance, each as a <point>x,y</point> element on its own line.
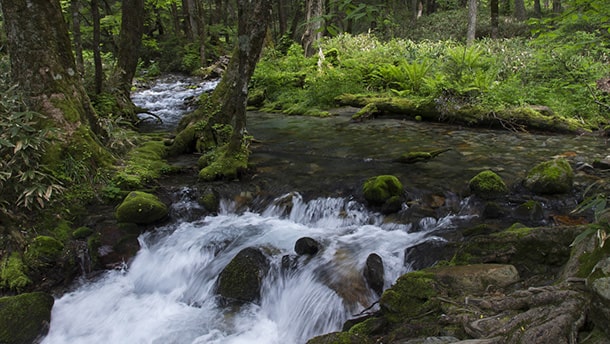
<point>167,293</point>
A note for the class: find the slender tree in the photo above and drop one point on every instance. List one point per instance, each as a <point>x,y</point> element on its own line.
<point>313,25</point>
<point>97,56</point>
<point>472,21</point>
<point>520,13</point>
<point>77,37</point>
<point>130,40</point>
<point>495,13</point>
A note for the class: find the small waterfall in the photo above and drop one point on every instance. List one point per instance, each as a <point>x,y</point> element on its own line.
<point>166,294</point>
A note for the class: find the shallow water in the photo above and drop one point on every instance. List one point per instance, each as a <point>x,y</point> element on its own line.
<point>166,294</point>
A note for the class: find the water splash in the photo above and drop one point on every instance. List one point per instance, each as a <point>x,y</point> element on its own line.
<point>166,295</point>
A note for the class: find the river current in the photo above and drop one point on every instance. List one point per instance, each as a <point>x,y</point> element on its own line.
<point>166,294</point>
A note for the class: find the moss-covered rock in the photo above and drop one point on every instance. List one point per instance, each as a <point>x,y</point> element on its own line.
<point>341,338</point>
<point>222,164</point>
<point>82,232</point>
<point>25,317</point>
<point>13,273</point>
<point>380,189</point>
<point>487,184</point>
<point>241,280</point>
<point>550,177</point>
<point>476,278</point>
<point>141,207</point>
<point>144,163</point>
<point>43,251</point>
<point>413,295</point>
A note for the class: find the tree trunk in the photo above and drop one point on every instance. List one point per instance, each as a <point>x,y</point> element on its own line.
<point>313,26</point>
<point>78,43</point>
<point>97,57</point>
<point>281,16</point>
<point>557,6</point>
<point>43,66</point>
<point>494,7</point>
<point>520,13</point>
<point>232,92</point>
<point>472,21</point>
<point>130,40</point>
<point>537,9</point>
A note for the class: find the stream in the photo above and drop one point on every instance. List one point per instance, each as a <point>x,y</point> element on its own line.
<point>312,168</point>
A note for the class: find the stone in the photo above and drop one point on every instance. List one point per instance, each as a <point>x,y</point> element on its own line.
<point>427,254</point>
<point>25,318</point>
<point>378,190</point>
<point>475,279</point>
<point>241,280</point>
<point>487,185</point>
<point>142,208</point>
<point>550,177</point>
<point>306,246</point>
<point>374,273</point>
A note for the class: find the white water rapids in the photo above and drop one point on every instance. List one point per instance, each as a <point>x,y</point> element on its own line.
<point>167,293</point>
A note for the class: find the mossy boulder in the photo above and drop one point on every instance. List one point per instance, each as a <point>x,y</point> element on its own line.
<point>413,295</point>
<point>487,185</point>
<point>43,251</point>
<point>341,338</point>
<point>385,191</point>
<point>142,208</point>
<point>25,318</point>
<point>241,280</point>
<point>550,177</point>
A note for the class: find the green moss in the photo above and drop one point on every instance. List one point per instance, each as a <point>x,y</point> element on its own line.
<point>413,294</point>
<point>141,207</point>
<point>43,251</point>
<point>550,177</point>
<point>588,260</point>
<point>25,317</point>
<point>210,201</point>
<point>144,164</point>
<point>377,190</point>
<point>63,231</point>
<point>340,338</point>
<point>13,273</point>
<point>487,184</point>
<point>517,229</point>
<point>82,232</point>
<point>222,164</point>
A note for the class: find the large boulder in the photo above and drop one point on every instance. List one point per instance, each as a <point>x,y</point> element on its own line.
<point>385,191</point>
<point>306,246</point>
<point>550,177</point>
<point>142,208</point>
<point>25,318</point>
<point>487,185</point>
<point>241,280</point>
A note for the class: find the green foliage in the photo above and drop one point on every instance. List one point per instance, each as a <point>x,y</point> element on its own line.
<point>598,205</point>
<point>13,273</point>
<point>24,182</point>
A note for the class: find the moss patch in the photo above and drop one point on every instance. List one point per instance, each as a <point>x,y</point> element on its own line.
<point>144,164</point>
<point>141,207</point>
<point>43,251</point>
<point>412,295</point>
<point>24,317</point>
<point>378,190</point>
<point>13,273</point>
<point>550,177</point>
<point>487,184</point>
<point>222,164</point>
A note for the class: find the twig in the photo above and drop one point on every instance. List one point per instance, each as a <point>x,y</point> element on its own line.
<point>150,114</point>
<point>366,309</point>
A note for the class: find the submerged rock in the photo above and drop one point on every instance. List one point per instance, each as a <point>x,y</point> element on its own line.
<point>142,208</point>
<point>241,280</point>
<point>550,177</point>
<point>25,318</point>
<point>306,246</point>
<point>374,273</point>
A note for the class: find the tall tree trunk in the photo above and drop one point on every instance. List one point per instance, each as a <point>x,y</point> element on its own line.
<point>537,9</point>
<point>97,56</point>
<point>557,6</point>
<point>520,13</point>
<point>76,34</point>
<point>494,7</point>
<point>281,16</point>
<point>43,65</point>
<point>472,21</point>
<point>130,40</point>
<point>313,25</point>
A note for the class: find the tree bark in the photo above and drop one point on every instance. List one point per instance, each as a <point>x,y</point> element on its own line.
<point>97,57</point>
<point>313,25</point>
<point>537,9</point>
<point>43,66</point>
<point>495,13</point>
<point>232,92</point>
<point>557,6</point>
<point>130,40</point>
<point>520,13</point>
<point>76,34</point>
<point>281,16</point>
<point>472,21</point>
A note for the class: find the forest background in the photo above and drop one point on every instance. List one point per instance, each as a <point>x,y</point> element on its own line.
<point>491,55</point>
